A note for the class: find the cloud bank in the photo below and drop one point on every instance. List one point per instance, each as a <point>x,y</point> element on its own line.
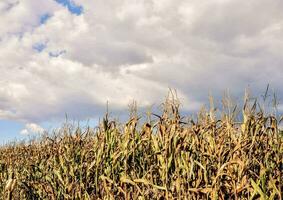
<point>54,61</point>
<point>32,128</point>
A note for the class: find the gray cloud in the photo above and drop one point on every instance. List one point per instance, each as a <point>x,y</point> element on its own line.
<point>226,22</point>
<point>120,51</point>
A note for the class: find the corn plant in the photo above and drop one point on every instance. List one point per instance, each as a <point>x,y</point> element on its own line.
<point>168,157</point>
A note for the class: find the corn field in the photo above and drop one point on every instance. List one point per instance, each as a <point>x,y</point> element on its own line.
<point>165,156</point>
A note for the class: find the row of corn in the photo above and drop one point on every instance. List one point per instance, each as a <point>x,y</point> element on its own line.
<point>165,156</point>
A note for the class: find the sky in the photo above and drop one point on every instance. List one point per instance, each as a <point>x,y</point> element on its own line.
<point>63,57</point>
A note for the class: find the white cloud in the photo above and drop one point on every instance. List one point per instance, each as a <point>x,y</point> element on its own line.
<point>18,16</point>
<point>119,51</point>
<point>32,128</point>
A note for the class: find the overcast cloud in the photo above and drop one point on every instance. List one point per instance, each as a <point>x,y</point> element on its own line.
<point>54,62</point>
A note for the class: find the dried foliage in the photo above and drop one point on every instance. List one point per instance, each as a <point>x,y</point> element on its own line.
<point>167,157</point>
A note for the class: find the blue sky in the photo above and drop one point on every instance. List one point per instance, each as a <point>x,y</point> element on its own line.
<point>72,57</point>
<point>72,7</point>
<point>9,130</point>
